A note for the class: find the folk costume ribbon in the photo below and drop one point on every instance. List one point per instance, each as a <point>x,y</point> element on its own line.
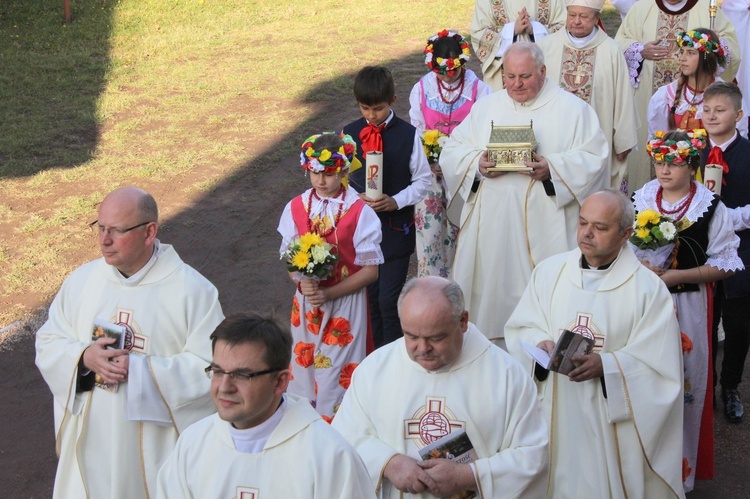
<point>371,138</point>
<point>716,157</point>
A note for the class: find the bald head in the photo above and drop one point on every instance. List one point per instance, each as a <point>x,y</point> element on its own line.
<point>604,226</point>
<point>431,310</point>
<point>435,289</point>
<point>135,199</point>
<point>127,229</point>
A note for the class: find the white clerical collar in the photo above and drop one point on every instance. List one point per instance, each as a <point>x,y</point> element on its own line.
<point>592,277</point>
<point>725,144</point>
<point>253,440</point>
<point>675,8</point>
<point>138,276</point>
<point>582,42</point>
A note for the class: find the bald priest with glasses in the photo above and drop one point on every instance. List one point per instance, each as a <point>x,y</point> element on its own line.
<point>123,352</point>
<point>262,442</point>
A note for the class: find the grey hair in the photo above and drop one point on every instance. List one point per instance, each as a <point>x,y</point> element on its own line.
<point>529,48</point>
<point>147,207</point>
<point>451,291</point>
<point>627,210</point>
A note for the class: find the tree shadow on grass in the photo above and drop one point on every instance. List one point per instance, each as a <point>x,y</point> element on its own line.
<point>51,79</point>
<point>230,235</point>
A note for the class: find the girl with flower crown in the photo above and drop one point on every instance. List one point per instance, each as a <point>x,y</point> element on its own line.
<point>439,102</point>
<point>679,105</point>
<point>330,325</point>
<point>706,251</point>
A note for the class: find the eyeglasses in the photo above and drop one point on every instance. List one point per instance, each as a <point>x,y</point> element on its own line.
<point>99,229</point>
<point>245,375</point>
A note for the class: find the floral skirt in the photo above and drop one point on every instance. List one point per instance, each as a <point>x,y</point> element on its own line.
<point>436,236</point>
<point>692,315</point>
<point>329,342</point>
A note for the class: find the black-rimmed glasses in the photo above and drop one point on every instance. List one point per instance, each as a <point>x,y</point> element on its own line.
<point>112,231</point>
<point>212,372</point>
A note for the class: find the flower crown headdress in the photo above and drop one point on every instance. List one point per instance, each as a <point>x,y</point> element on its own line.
<point>446,66</point>
<point>676,151</point>
<point>325,160</point>
<point>702,42</point>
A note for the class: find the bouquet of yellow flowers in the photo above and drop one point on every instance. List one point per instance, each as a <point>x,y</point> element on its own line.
<point>433,142</point>
<point>654,237</point>
<point>311,256</point>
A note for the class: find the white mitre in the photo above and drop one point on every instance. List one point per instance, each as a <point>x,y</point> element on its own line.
<point>597,5</point>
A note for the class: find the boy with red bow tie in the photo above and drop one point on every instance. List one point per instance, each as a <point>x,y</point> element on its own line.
<point>722,110</point>
<point>406,179</point>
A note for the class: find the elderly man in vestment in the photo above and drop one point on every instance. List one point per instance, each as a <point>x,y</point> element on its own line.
<point>497,24</point>
<point>511,221</point>
<point>262,443</point>
<point>441,379</point>
<point>616,418</point>
<point>119,410</point>
<point>648,39</point>
<point>589,64</point>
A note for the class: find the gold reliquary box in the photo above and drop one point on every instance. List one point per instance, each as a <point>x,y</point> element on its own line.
<point>510,147</point>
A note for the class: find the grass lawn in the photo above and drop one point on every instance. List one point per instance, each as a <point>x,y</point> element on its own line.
<point>176,95</point>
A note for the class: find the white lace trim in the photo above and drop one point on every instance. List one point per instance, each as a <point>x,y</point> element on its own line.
<point>645,198</point>
<point>633,58</point>
<point>727,260</point>
<point>369,255</point>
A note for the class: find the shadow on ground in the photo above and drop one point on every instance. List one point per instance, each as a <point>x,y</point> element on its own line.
<point>49,89</point>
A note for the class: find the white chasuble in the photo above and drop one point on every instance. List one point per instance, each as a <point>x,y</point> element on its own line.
<point>629,442</point>
<point>597,74</point>
<point>394,406</point>
<point>511,223</point>
<point>303,458</point>
<point>169,313</point>
<point>492,32</point>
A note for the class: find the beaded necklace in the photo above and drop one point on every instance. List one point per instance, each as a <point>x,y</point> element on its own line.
<point>315,227</point>
<point>681,208</point>
<point>444,86</point>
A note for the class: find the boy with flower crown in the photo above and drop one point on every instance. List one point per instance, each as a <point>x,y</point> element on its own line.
<point>406,179</point>
<point>330,327</point>
<point>722,112</point>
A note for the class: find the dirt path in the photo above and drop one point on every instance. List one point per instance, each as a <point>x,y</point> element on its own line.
<point>230,236</point>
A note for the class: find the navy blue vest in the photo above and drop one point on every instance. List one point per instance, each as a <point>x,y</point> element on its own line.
<point>398,142</point>
<point>734,194</point>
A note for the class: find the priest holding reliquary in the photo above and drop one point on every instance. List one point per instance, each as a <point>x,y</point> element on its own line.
<point>517,201</point>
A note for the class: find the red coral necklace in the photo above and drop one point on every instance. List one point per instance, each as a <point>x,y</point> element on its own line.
<point>444,86</point>
<point>315,227</point>
<point>681,208</point>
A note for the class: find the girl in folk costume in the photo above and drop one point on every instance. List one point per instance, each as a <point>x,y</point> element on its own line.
<point>705,251</point>
<point>439,102</point>
<point>679,105</point>
<point>330,325</point>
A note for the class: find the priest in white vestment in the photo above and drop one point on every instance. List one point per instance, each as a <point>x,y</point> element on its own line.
<point>441,377</point>
<point>589,64</point>
<point>262,443</point>
<point>647,37</point>
<point>112,443</point>
<point>497,24</point>
<point>616,419</point>
<point>509,222</point>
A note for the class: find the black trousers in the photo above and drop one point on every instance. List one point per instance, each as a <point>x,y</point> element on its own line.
<point>383,298</point>
<point>735,313</point>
